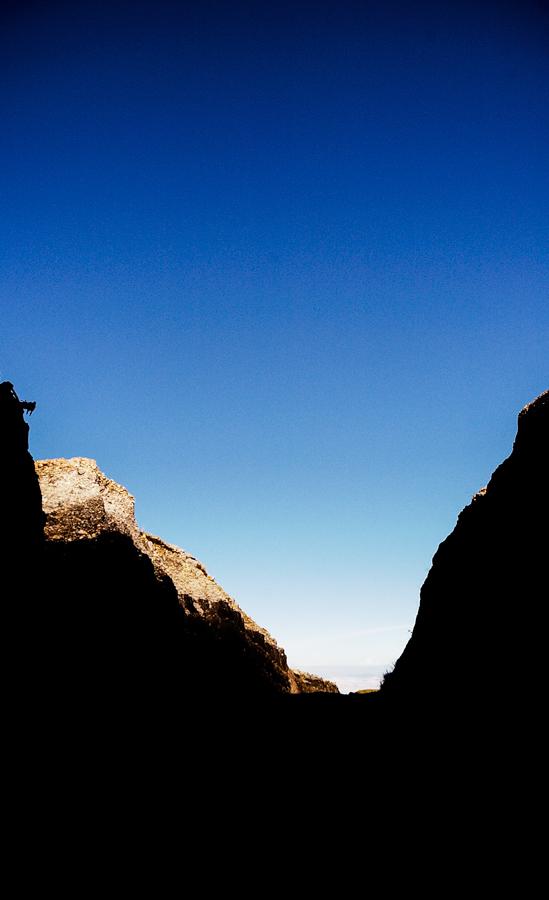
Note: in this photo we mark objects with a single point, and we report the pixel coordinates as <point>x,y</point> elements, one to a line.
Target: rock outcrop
<point>479,640</point>
<point>21,539</point>
<point>313,684</point>
<point>217,649</point>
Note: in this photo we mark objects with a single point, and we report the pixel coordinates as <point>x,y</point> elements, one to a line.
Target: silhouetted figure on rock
<point>21,517</point>
<point>11,412</point>
<point>8,397</point>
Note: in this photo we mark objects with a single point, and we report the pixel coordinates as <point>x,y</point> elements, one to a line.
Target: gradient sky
<point>282,270</point>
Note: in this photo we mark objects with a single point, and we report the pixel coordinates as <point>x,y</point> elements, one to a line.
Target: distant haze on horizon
<point>282,271</point>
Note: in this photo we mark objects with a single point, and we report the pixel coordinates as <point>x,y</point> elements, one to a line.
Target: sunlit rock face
<point>313,684</point>
<point>147,588</point>
<point>478,639</point>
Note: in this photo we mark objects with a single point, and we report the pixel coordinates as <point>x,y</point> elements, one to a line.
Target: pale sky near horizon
<point>282,271</point>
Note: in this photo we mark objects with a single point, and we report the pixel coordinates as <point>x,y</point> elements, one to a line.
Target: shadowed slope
<point>479,636</point>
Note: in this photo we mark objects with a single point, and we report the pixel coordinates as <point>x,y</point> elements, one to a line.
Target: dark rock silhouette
<point>21,518</point>
<point>470,684</point>
<point>478,641</point>
<point>21,566</point>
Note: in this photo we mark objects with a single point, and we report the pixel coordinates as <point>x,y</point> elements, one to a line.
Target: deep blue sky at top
<point>282,270</point>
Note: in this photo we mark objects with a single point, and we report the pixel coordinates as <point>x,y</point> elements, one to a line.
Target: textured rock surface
<point>83,505</point>
<point>312,684</point>
<point>478,636</point>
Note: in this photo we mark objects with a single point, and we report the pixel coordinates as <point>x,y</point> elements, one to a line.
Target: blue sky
<point>282,270</point>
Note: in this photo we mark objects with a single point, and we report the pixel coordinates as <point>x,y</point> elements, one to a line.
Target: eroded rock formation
<point>210,645</point>
<point>313,684</point>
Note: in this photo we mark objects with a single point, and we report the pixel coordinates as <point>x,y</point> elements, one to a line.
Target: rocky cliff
<point>478,639</point>
<point>106,611</point>
<point>21,539</point>
<point>92,537</point>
